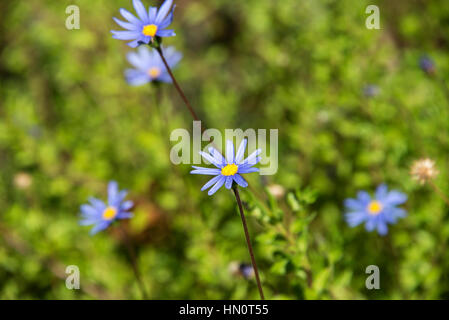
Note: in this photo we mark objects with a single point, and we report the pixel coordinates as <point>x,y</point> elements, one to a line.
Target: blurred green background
<point>69,123</point>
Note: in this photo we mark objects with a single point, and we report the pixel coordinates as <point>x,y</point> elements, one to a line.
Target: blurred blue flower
<point>149,66</point>
<point>229,168</point>
<point>101,215</point>
<point>148,25</point>
<point>427,64</point>
<point>371,91</point>
<point>241,269</point>
<point>376,213</point>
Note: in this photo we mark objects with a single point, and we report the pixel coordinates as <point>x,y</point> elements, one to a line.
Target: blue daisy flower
<point>101,215</point>
<point>376,213</point>
<point>149,66</point>
<point>228,169</point>
<point>148,25</point>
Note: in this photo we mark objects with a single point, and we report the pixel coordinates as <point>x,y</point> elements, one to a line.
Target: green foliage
<point>69,123</point>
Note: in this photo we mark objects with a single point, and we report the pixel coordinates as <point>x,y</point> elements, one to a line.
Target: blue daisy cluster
<point>148,26</point>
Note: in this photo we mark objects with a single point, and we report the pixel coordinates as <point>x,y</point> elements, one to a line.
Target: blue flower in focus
<point>100,214</point>
<point>149,66</point>
<point>228,169</point>
<point>375,212</point>
<point>427,65</point>
<point>148,25</point>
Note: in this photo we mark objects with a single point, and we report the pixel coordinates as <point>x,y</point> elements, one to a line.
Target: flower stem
<point>439,192</point>
<point>133,260</point>
<point>236,192</point>
<point>248,240</point>
<point>178,88</point>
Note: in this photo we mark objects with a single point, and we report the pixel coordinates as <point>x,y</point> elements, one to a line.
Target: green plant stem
<point>248,240</point>
<point>236,192</point>
<point>439,192</point>
<point>133,260</point>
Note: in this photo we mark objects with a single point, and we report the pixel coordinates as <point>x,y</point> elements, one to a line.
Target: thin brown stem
<point>181,93</point>
<point>439,192</point>
<point>178,88</point>
<point>248,241</point>
<point>133,260</point>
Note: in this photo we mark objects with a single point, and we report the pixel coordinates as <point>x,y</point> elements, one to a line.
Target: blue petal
<point>381,192</point>
<point>140,9</point>
<point>88,210</point>
<point>382,228</point>
<point>217,156</point>
<point>126,25</point>
<point>371,223</point>
<point>363,197</point>
<point>211,182</point>
<point>165,77</point>
<point>168,20</point>
<point>252,159</point>
<point>245,164</point>
<point>152,11</point>
<point>355,218</point>
<point>229,181</point>
<point>134,44</point>
<point>126,205</point>
<point>112,191</point>
<point>173,57</point>
<point>395,198</point>
<point>248,170</point>
<point>240,181</point>
<point>205,171</point>
<point>210,159</point>
<point>136,77</point>
<point>391,215</point>
<point>165,33</point>
<point>163,10</point>
<point>217,186</point>
<point>89,221</point>
<point>99,227</point>
<point>124,35</point>
<point>98,204</point>
<point>354,205</point>
<point>229,151</point>
<point>136,59</point>
<point>241,151</point>
<point>130,17</point>
<point>124,215</point>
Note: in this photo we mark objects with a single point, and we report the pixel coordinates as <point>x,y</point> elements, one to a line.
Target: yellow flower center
<point>154,72</point>
<point>374,207</point>
<point>149,30</point>
<point>229,170</point>
<point>109,213</point>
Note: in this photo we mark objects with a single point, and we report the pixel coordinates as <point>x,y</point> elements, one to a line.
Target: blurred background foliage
<point>69,123</point>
